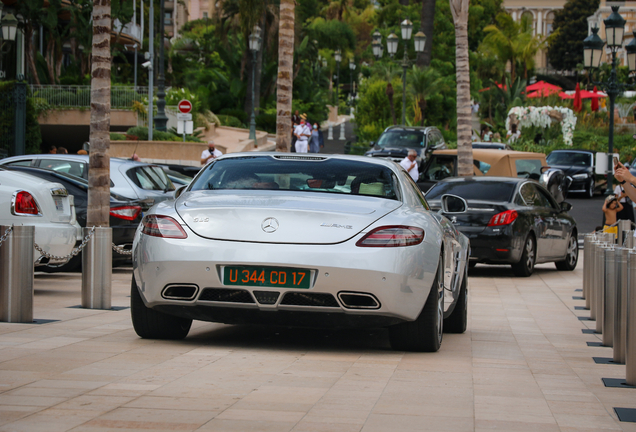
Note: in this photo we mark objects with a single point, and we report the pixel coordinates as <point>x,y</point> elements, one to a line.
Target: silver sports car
<point>303,240</point>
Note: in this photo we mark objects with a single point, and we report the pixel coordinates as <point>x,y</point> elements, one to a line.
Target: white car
<point>311,240</point>
<point>28,200</point>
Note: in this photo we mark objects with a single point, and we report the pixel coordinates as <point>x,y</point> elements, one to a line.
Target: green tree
<point>423,84</point>
<point>565,49</point>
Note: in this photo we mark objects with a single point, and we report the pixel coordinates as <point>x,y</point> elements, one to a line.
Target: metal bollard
<point>622,227</point>
<point>628,241</point>
<point>587,247</point>
<point>630,334</point>
<point>97,269</point>
<point>16,275</point>
<point>599,300</point>
<point>609,297</point>
<point>621,258</point>
<point>342,132</point>
<point>589,297</point>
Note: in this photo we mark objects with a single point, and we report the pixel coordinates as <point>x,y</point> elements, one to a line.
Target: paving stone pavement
<point>523,365</point>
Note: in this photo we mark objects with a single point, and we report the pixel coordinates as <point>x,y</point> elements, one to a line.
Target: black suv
<point>579,165</point>
<point>396,141</point>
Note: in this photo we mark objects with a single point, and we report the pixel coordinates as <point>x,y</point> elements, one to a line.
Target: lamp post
<point>9,27</point>
<point>352,68</point>
<point>592,51</point>
<point>161,120</point>
<point>255,46</point>
<point>338,57</point>
<point>392,45</point>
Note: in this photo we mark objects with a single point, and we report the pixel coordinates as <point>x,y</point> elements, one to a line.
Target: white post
<point>342,131</point>
<point>330,133</point>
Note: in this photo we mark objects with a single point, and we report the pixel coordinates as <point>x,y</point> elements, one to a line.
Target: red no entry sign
<point>185,106</point>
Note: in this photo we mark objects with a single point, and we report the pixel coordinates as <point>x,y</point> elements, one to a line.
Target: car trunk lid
<point>477,215</point>
<point>266,217</point>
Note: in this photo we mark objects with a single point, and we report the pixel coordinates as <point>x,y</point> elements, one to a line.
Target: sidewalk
<point>523,365</point>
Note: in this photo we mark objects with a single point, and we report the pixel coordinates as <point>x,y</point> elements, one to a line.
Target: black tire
<point>151,324</point>
<point>525,266</point>
<point>458,319</point>
<point>571,255</point>
<point>426,332</point>
<point>589,190</point>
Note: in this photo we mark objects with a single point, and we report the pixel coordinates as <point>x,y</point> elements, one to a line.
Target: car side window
<point>548,201</point>
<point>519,200</point>
<point>68,167</point>
<point>418,192</point>
<point>528,168</point>
<point>21,163</point>
<point>440,168</point>
<point>529,195</point>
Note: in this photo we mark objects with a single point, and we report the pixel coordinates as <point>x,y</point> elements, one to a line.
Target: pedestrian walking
<point>409,163</point>
<point>295,122</point>
<point>317,139</point>
<point>302,133</point>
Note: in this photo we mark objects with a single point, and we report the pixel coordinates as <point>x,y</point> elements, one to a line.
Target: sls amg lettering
<point>326,225</point>
<point>201,219</point>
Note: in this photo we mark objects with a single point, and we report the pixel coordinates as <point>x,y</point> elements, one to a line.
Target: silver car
<point>130,179</point>
<point>311,240</point>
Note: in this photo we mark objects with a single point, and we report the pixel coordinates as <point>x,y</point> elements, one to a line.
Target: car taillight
<point>24,204</point>
<point>125,212</point>
<point>162,226</point>
<point>392,236</point>
<point>503,218</point>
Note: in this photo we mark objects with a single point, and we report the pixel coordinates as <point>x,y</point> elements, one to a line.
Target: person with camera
<point>210,153</point>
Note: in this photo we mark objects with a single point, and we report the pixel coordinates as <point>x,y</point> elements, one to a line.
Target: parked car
<point>491,145</point>
<point>512,221</point>
<point>129,179</point>
<point>396,141</point>
<point>125,214</point>
<point>579,165</point>
<point>324,240</point>
<point>28,200</point>
<point>442,164</point>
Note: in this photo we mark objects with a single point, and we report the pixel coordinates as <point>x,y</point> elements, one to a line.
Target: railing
<point>58,96</point>
<point>142,117</point>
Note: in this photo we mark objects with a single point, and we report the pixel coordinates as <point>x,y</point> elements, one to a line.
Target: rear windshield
<point>570,159</point>
<point>402,138</point>
<point>483,190</point>
<point>335,176</point>
<point>150,178</point>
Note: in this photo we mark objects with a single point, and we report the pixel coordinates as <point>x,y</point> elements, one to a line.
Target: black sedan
<point>511,221</point>
<point>125,214</point>
<point>580,166</point>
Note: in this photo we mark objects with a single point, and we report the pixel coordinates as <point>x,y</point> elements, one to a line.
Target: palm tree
<point>423,83</point>
<point>459,8</point>
<point>99,163</point>
<point>512,41</point>
<point>285,74</point>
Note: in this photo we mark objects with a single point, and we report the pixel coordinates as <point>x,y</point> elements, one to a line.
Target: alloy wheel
<point>572,251</point>
<point>530,254</point>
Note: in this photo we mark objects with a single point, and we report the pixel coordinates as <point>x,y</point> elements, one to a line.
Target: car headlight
<point>580,176</point>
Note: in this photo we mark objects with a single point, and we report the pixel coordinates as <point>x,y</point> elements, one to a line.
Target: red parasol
<point>542,85</point>
<point>594,103</point>
<point>543,93</point>
<point>578,103</point>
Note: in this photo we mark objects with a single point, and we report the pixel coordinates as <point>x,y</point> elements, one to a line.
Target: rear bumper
<point>494,247</point>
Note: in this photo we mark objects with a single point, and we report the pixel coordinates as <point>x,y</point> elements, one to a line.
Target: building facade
<point>542,14</point>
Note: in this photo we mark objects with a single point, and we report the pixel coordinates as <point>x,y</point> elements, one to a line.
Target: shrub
<point>235,112</point>
<point>266,122</point>
<point>230,121</point>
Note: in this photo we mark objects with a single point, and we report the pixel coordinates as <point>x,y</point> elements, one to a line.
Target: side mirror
<point>179,191</point>
<point>566,206</point>
<point>453,204</point>
<point>372,143</point>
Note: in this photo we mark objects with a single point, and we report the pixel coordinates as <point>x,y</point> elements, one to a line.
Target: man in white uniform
<point>410,165</point>
<point>210,153</point>
<point>302,133</point>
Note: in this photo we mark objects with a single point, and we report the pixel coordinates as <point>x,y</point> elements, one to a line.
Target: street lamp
<point>392,45</point>
<point>592,49</point>
<point>9,27</point>
<point>352,67</point>
<point>338,57</point>
<point>161,119</point>
<point>255,46</point>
